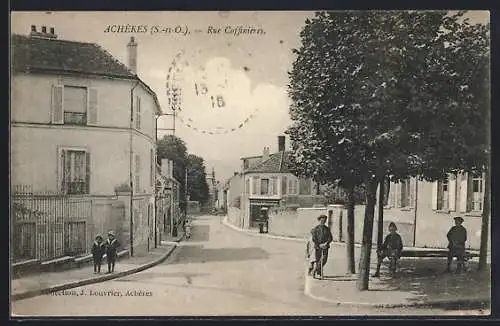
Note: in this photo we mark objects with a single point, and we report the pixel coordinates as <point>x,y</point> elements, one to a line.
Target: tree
<point>372,93</point>
<point>174,148</point>
<point>197,180</point>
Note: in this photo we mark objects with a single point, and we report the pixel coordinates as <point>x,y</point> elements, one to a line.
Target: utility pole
<point>174,104</point>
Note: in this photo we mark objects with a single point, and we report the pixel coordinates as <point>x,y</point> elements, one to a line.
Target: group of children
<point>321,237</point>
<point>108,247</point>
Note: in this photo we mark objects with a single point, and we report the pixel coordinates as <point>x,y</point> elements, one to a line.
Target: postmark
<point>208,94</point>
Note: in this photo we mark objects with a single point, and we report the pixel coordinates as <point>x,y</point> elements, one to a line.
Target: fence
<point>49,225</point>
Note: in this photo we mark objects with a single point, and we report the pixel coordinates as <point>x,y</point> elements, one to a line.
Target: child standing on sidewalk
<point>112,245</point>
<point>97,253</point>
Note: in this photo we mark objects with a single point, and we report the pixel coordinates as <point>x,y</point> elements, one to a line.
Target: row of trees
<point>173,148</point>
<point>380,96</point>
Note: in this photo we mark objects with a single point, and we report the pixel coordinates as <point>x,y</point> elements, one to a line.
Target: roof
<point>247,157</point>
<point>31,54</point>
<point>276,163</point>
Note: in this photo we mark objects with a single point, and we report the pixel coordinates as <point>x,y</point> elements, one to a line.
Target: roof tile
<point>62,55</point>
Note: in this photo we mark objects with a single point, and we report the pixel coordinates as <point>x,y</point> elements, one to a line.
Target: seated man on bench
<point>392,247</point>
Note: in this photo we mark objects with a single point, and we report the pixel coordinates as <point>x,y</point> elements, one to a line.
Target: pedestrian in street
<point>391,248</point>
<point>98,249</point>
<point>457,236</point>
<point>112,245</point>
<point>321,237</point>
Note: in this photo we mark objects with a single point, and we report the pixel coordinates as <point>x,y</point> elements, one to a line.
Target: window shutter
<point>452,191</point>
<point>391,200</point>
<point>137,173</point>
<point>87,171</point>
<point>152,161</point>
<point>413,183</point>
<point>435,195</point>
<point>61,172</point>
<point>57,104</point>
<point>92,106</point>
<point>464,198</point>
<point>138,113</point>
<point>397,188</point>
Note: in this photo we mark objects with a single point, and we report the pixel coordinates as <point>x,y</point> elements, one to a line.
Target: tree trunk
<point>351,266</point>
<point>366,244</point>
<point>380,221</point>
<point>485,220</point>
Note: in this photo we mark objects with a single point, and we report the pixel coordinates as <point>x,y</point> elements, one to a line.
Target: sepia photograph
<point>250,163</point>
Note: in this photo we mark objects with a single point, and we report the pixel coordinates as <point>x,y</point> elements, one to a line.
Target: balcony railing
<point>75,118</point>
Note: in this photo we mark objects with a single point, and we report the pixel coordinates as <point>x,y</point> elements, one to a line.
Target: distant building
<point>268,181</point>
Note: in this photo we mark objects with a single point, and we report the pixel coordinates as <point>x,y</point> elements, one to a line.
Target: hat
<point>98,236</point>
<point>393,225</point>
<point>322,217</point>
<point>111,233</point>
<point>458,218</point>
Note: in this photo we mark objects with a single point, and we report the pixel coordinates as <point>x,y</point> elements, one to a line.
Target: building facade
<point>424,210</point>
<point>268,182</point>
<point>83,124</point>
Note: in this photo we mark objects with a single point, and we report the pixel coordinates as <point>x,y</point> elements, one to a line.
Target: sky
<point>233,98</point>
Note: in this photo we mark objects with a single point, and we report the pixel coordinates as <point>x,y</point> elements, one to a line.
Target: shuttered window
<point>74,172</point>
<point>152,170</point>
<point>405,193</point>
<point>284,185</point>
<point>74,105</point>
<point>304,186</point>
<point>138,113</point>
<point>137,173</point>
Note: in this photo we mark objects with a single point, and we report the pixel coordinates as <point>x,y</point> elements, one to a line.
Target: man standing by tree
<point>321,237</point>
<point>457,236</point>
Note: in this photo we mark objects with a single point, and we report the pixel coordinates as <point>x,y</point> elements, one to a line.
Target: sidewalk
<point>419,283</point>
<point>34,285</point>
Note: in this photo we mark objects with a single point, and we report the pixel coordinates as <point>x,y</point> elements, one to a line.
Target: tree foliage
<point>197,180</point>
<point>389,93</point>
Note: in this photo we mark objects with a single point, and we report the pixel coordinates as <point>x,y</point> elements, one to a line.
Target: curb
<point>277,237</point>
<point>74,284</point>
<point>478,303</point>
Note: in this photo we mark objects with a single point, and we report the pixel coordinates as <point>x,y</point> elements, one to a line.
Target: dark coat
<point>393,241</point>
<point>457,236</point>
<point>112,247</point>
<point>321,234</point>
<point>98,249</point>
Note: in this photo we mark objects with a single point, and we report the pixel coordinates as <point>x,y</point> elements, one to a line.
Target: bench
<point>433,253</point>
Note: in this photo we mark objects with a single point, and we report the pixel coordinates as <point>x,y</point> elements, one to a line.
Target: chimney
<point>265,154</point>
<point>132,55</point>
<point>281,143</point>
<point>43,34</point>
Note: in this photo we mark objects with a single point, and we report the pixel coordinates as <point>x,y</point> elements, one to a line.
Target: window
<point>477,193</point>
<point>406,193</point>
<point>284,183</point>
<point>255,185</point>
<point>75,105</point>
<point>245,164</point>
<point>304,187</point>
<point>152,171</point>
<point>292,187</point>
<point>75,171</point>
<point>247,186</point>
<point>138,113</point>
<point>264,186</point>
<point>443,195</point>
<point>387,189</point>
<point>274,186</point>
<point>137,181</point>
